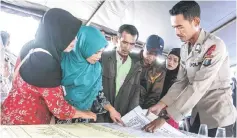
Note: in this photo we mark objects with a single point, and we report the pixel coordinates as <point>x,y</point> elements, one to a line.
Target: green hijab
<point>83,80</point>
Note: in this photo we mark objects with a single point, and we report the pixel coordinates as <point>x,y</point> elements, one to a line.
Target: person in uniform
<point>203,81</point>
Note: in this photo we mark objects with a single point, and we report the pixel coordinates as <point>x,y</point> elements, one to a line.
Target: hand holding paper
<point>137,119</point>
<point>155,109</point>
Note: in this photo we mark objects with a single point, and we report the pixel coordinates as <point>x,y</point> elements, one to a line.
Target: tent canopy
<point>150,17</point>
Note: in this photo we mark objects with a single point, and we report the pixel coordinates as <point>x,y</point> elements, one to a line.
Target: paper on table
<point>137,119</point>
<point>150,116</point>
<point>60,131</point>
<point>133,131</point>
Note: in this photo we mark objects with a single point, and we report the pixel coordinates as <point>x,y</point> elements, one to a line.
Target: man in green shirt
<point>121,74</point>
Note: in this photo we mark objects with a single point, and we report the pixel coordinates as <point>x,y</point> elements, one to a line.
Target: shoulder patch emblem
<point>208,56</point>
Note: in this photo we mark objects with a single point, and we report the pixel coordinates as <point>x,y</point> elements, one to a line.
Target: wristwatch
<point>163,114</point>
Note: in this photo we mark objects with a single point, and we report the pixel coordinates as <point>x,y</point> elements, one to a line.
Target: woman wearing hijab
<point>82,73</point>
<point>172,66</point>
<point>36,95</point>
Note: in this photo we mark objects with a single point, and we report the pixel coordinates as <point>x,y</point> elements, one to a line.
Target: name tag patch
<point>195,64</point>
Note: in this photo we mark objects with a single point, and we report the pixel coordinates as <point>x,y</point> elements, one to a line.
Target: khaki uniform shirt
<point>203,84</point>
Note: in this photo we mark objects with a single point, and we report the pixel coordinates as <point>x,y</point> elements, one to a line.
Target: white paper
<point>135,131</point>
<point>137,119</point>
<point>151,116</point>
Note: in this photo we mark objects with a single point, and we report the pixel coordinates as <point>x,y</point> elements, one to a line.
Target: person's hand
<point>116,117</point>
<point>155,109</point>
<point>85,115</point>
<point>114,114</point>
<point>155,124</point>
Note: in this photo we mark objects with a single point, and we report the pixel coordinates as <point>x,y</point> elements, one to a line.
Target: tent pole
<point>224,25</point>
<point>94,13</point>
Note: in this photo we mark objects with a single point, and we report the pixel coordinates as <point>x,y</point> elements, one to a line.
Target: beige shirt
<point>203,84</point>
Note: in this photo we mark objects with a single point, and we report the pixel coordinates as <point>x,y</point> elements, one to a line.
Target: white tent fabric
<point>150,17</point>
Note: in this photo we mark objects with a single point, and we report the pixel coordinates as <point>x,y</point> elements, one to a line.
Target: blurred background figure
<point>7,65</point>
<point>234,90</point>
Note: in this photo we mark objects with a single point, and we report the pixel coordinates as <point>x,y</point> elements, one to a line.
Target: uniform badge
<point>198,48</point>
<point>208,56</point>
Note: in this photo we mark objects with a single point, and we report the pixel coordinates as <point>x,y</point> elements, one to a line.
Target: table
<point>74,131</point>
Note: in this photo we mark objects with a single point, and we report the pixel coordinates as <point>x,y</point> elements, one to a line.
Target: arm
<point>56,103</point>
<point>59,107</point>
<point>203,79</point>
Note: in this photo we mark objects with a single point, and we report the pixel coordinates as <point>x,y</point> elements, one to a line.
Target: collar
<point>120,57</point>
<point>201,37</point>
<point>198,44</point>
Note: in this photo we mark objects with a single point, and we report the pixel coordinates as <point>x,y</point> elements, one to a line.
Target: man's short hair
<point>5,37</point>
<point>131,29</point>
<point>189,9</point>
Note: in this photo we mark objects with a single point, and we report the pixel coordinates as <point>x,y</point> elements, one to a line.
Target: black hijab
<point>56,30</point>
<point>171,75</point>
